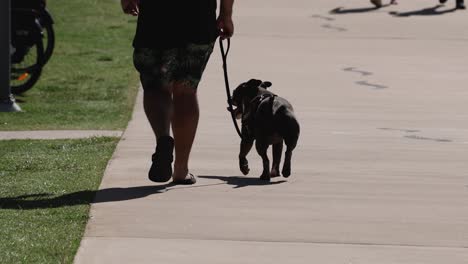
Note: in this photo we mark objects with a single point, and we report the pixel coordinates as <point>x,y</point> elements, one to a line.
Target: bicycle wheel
<point>21,82</point>
<point>25,73</point>
<point>48,41</point>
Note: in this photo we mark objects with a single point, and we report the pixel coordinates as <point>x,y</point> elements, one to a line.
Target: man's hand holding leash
<point>130,7</point>
<point>224,22</point>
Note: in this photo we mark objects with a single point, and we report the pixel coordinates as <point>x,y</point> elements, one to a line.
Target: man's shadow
<point>239,182</point>
<point>341,11</point>
<point>47,200</point>
<point>430,11</point>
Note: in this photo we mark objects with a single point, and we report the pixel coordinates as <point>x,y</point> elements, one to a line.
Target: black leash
<point>226,82</point>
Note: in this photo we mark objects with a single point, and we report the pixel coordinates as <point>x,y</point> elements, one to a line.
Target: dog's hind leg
<point>291,143</point>
<point>277,152</point>
<point>262,148</point>
<point>287,163</point>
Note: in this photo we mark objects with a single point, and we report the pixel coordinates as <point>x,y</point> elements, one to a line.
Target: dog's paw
<point>244,166</point>
<point>245,169</point>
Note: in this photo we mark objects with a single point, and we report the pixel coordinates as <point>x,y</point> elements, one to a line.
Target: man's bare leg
<point>158,108</point>
<point>184,126</point>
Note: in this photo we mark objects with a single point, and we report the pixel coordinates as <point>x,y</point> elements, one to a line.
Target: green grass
<point>90,82</point>
<point>45,191</point>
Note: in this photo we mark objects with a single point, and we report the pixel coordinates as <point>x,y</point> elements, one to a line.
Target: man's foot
<point>442,1</point>
<point>161,169</point>
<point>461,5</point>
<point>188,180</point>
<point>377,3</point>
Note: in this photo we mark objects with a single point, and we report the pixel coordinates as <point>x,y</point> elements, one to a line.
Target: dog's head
<point>246,92</point>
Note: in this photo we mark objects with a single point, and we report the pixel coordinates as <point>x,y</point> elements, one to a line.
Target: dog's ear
<point>254,83</point>
<point>265,85</point>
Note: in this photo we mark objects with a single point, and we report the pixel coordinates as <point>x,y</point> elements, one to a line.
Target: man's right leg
<point>157,102</point>
<point>158,108</point>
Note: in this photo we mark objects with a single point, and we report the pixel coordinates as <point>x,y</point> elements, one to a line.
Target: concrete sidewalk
<point>380,174</point>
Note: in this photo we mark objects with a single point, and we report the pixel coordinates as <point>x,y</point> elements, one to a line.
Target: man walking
<point>173,42</point>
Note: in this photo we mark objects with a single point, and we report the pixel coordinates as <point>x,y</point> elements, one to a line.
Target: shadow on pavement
<point>430,11</point>
<point>45,200</point>
<point>240,182</point>
<point>340,10</point>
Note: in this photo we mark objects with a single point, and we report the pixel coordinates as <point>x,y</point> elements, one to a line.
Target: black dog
<point>267,119</point>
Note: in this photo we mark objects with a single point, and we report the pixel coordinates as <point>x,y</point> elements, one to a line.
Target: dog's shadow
<point>239,182</point>
<point>429,11</point>
<point>341,11</point>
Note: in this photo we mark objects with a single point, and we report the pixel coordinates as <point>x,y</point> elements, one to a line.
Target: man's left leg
<point>184,126</point>
<point>192,62</point>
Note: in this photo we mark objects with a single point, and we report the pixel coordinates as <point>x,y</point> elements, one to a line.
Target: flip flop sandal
<point>189,180</point>
<point>161,169</point>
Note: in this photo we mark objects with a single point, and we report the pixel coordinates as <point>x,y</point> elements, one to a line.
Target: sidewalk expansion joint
<point>338,243</point>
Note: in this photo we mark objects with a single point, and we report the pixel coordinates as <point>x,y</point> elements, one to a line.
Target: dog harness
<point>248,117</point>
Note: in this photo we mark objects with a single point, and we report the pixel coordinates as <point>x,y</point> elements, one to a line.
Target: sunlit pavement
<point>380,172</point>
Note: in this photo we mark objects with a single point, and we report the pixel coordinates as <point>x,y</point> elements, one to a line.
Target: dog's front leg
<point>245,147</point>
<point>262,148</point>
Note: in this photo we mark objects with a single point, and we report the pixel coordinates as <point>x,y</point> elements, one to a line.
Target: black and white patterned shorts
<point>163,67</point>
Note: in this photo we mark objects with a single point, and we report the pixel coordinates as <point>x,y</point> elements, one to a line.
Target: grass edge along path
<point>45,195</point>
